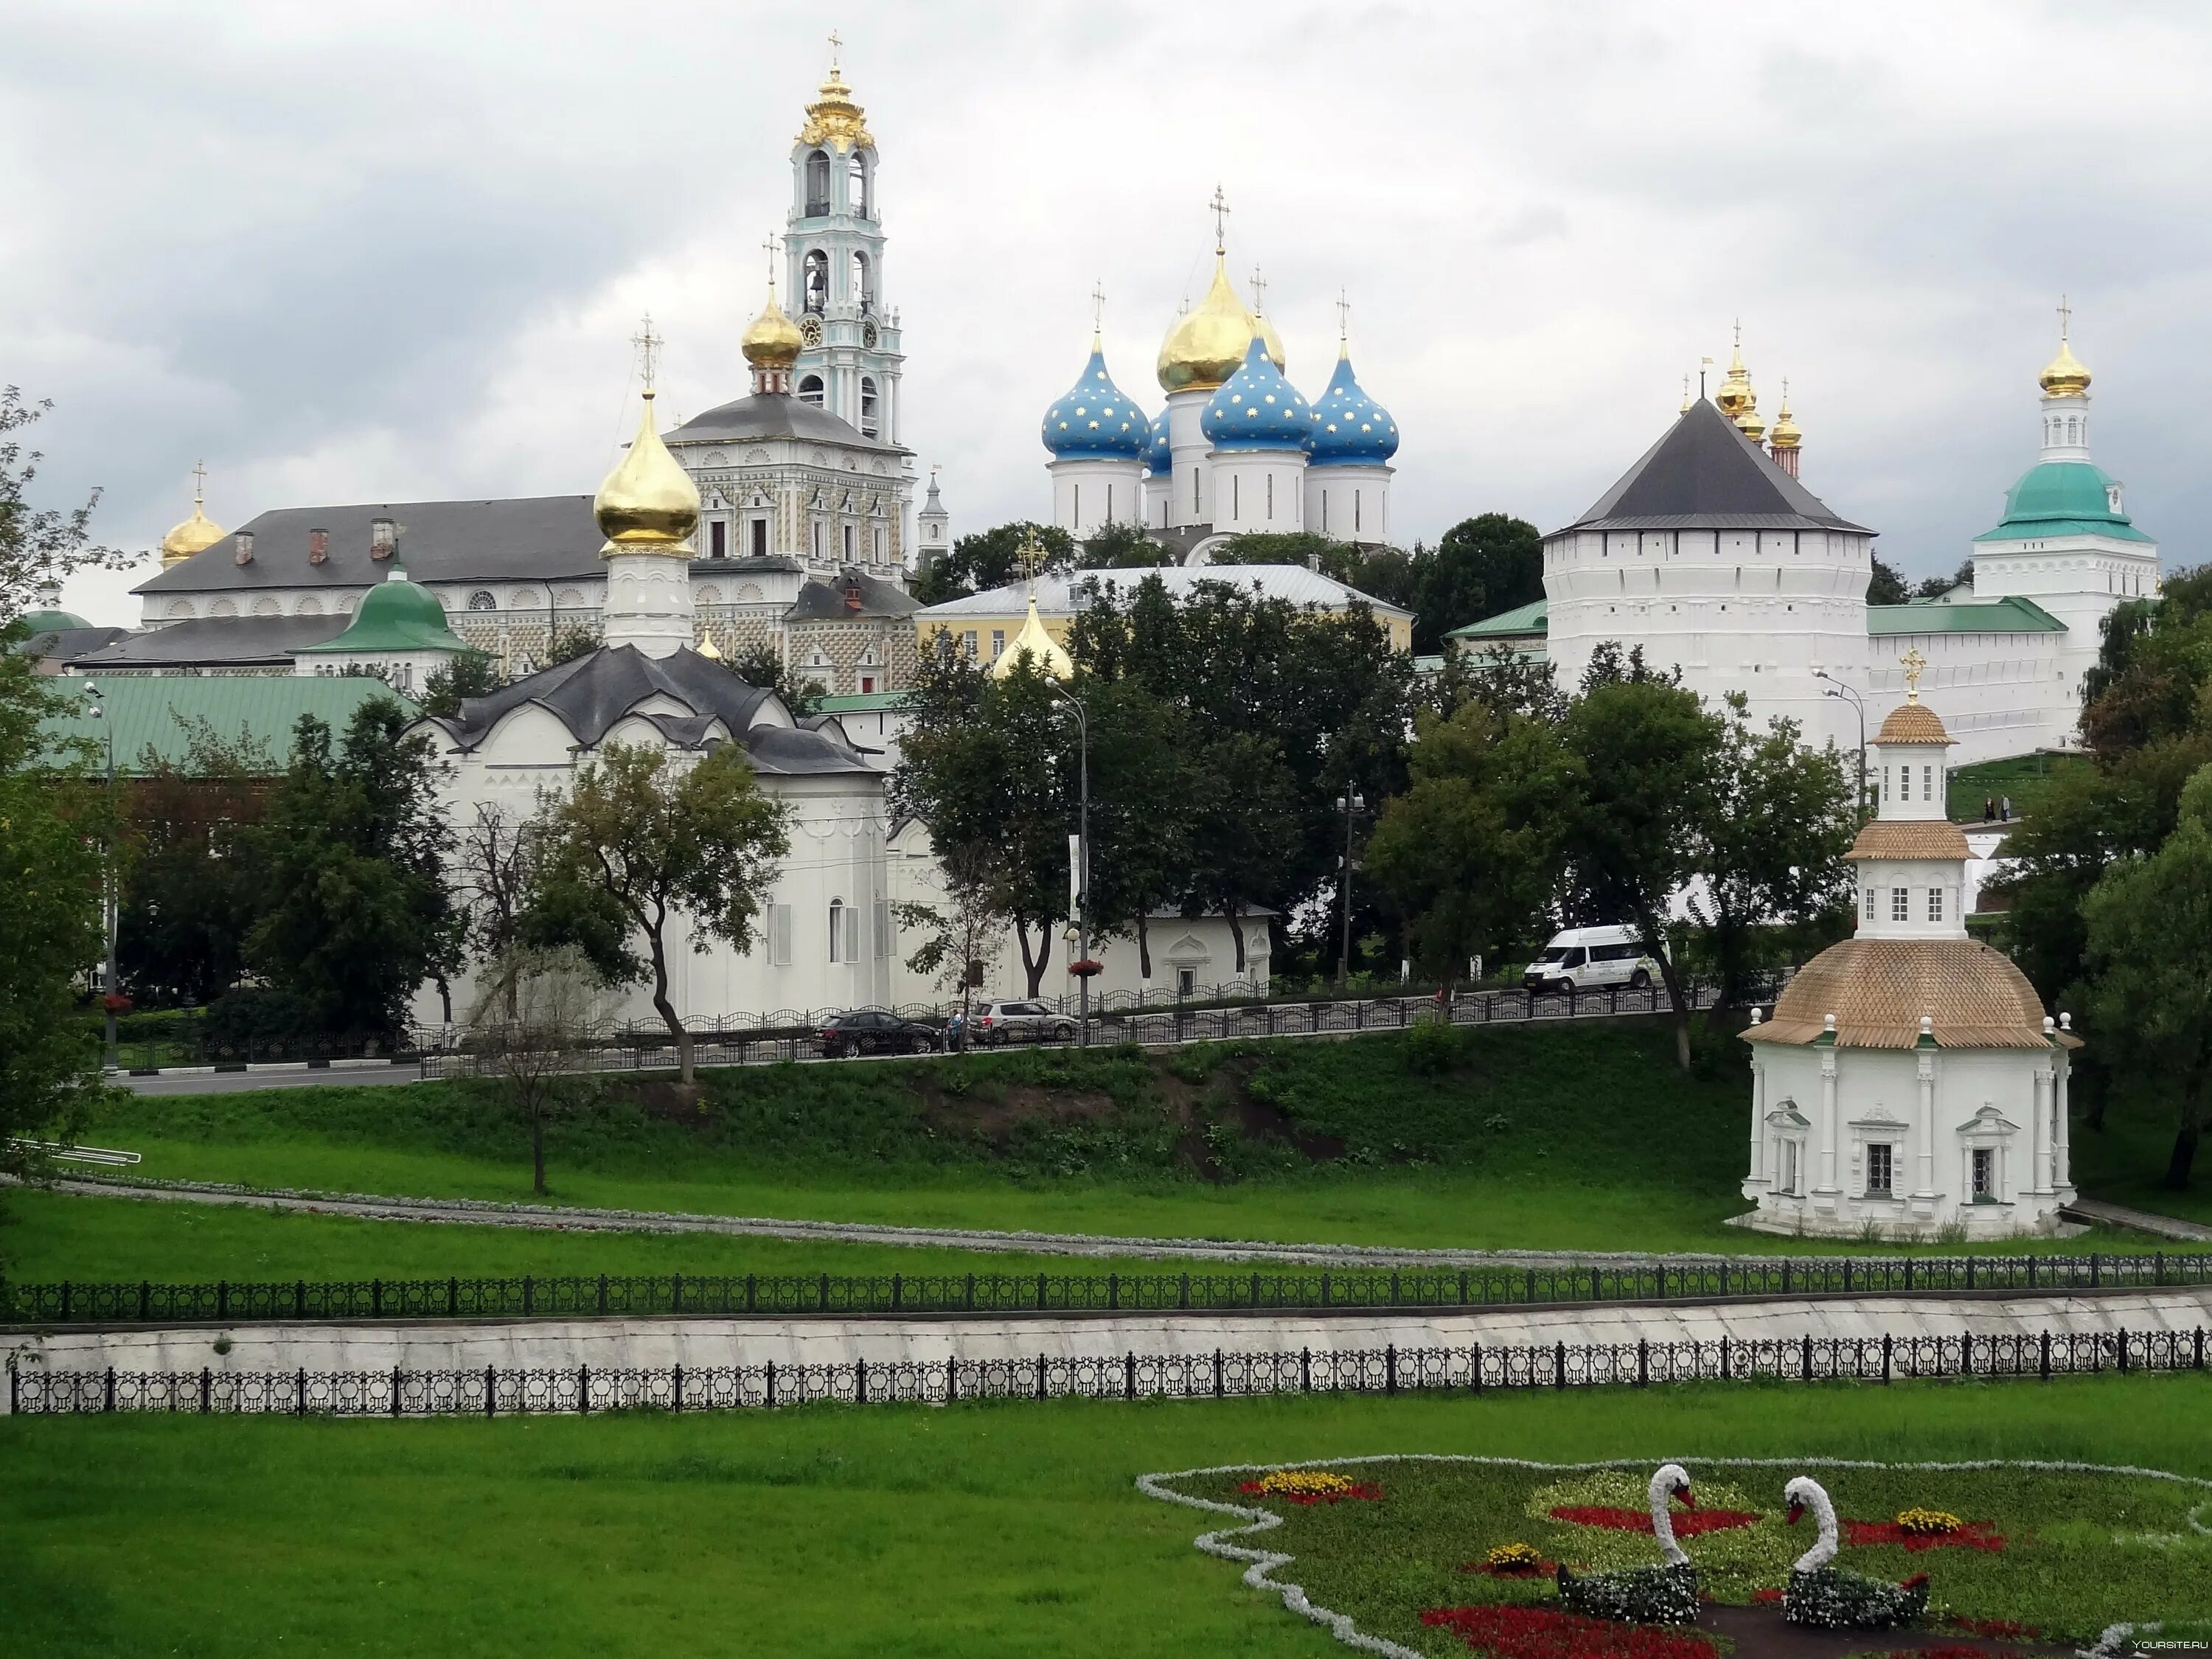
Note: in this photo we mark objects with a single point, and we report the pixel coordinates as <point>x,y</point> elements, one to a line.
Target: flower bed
<point>2082,1549</point>
<point>1309,1487</point>
<point>1524,1633</point>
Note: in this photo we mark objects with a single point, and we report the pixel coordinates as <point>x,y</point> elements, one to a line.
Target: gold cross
<point>769,245</point>
<point>199,482</point>
<point>836,46</point>
<point>2065,317</point>
<point>1343,316</point>
<point>648,345</point>
<point>1031,557</point>
<point>1259,292</point>
<point>1915,666</point>
<point>1098,311</point>
<point>1221,221</point>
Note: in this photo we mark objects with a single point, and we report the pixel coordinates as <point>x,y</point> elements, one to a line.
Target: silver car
<point>1022,1021</point>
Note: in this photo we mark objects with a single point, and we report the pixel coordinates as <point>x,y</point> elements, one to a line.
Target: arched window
<point>869,419</point>
<point>818,281</point>
<point>809,390</point>
<point>863,296</point>
<point>856,186</point>
<point>481,600</point>
<point>817,184</point>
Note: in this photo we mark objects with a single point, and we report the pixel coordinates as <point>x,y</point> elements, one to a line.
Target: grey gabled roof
<point>1703,474</point>
<point>217,641</point>
<point>523,538</point>
<point>773,415</point>
<point>592,693</point>
<point>821,601</point>
<point>67,644</point>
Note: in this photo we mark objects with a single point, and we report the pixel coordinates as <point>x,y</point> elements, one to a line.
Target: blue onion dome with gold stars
<point>1257,409</point>
<point>1350,428</point>
<point>1159,459</point>
<point>1095,421</point>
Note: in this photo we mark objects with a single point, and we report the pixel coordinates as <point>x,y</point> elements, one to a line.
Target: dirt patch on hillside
<point>661,1098</point>
<point>994,1116</point>
<point>1226,1098</point>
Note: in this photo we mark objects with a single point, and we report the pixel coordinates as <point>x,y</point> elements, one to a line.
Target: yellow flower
<point>1923,1523</point>
<point>1303,1483</point>
<point>1514,1555</point>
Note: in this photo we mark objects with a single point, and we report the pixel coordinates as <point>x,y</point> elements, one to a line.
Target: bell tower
<point>834,244</point>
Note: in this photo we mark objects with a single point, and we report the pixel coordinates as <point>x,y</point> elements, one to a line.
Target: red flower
<point>1688,1525</point>
<point>1766,1595</point>
<point>1974,1535</point>
<point>1528,1632</point>
<point>2011,1628</point>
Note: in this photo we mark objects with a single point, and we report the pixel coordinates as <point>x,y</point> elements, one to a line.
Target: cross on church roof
<point>199,482</point>
<point>1343,316</point>
<point>2065,317</point>
<point>1221,221</point>
<point>1915,666</point>
<point>1098,311</point>
<point>1259,292</point>
<point>648,346</point>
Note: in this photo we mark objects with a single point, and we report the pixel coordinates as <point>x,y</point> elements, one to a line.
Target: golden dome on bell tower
<point>1734,395</point>
<point>833,118</point>
<point>194,535</point>
<point>648,504</point>
<point>2064,375</point>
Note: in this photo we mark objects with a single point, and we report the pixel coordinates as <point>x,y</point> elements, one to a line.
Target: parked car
<point>1022,1021</point>
<point>1592,958</point>
<point>871,1031</point>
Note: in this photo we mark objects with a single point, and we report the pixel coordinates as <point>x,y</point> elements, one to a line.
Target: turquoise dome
<point>1159,459</point>
<point>2062,498</point>
<point>53,622</point>
<point>1094,420</point>
<point>1257,409</point>
<point>1350,428</point>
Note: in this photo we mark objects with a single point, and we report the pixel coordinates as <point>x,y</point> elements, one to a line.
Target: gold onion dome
<point>195,535</point>
<point>1785,434</point>
<point>1033,642</point>
<point>1207,344</point>
<point>1751,423</point>
<point>1734,395</point>
<point>2064,375</point>
<point>772,341</point>
<point>648,504</point>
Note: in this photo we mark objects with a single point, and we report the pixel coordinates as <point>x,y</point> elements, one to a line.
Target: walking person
<point>1989,811</point>
<point>2004,809</point>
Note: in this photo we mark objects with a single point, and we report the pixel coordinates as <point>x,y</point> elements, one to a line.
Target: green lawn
<point>2023,777</point>
<point>976,1531</point>
<point>1559,1137</point>
<point>2125,1163</point>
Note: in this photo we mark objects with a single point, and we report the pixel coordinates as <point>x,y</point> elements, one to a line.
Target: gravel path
<point>2163,1226</point>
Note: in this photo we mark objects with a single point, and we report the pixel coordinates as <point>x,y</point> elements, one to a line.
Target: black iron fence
<point>736,1295</point>
<point>492,1392</point>
<point>734,1041</point>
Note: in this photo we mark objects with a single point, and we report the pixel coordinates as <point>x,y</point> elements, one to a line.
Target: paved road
<point>2161,1226</point>
<point>231,1083</point>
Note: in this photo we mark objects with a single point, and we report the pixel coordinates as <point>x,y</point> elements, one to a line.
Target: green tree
<point>570,643</point>
<point>535,1012</point>
<point>1934,587</point>
<point>1124,547</point>
<point>1471,852</point>
<point>39,547</point>
<point>1647,751</point>
<point>992,558</point>
<point>964,931</point>
<point>348,858</point>
<point>1144,779</point>
<point>2149,941</point>
<point>1886,587</point>
<point>1484,566</point>
<point>644,853</point>
<point>1776,822</point>
<point>763,665</point>
<point>471,674</point>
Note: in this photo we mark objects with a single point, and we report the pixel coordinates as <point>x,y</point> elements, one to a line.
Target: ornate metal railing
<point>491,1392</point>
<point>80,1301</point>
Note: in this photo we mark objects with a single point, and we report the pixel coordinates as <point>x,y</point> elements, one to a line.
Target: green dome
<point>2062,498</point>
<point>53,622</point>
<point>397,615</point>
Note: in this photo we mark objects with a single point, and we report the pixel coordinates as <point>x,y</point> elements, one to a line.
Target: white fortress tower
<point>834,242</point>
<point>1718,561</point>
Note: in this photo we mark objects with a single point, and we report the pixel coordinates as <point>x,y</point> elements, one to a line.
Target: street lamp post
<point>109,898</point>
<point>1082,861</point>
<point>1350,804</point>
<point>1837,688</point>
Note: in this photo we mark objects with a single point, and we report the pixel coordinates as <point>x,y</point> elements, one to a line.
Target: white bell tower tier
<point>1910,1080</point>
<point>647,509</point>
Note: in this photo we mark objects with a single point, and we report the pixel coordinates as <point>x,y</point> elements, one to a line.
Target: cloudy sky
<point>354,251</point>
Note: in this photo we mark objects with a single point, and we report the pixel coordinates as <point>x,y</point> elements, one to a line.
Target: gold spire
<point>2064,375</point>
<point>1914,665</point>
<point>195,534</point>
<point>1047,653</point>
<point>1687,398</point>
<point>773,339</point>
<point>1785,434</point>
<point>648,504</point>
<point>706,647</point>
<point>833,118</point>
<point>1208,341</point>
<point>1734,395</point>
<point>1750,422</point>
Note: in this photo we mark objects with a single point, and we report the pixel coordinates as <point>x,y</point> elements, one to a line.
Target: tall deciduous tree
<point>39,546</point>
<point>647,855</point>
<point>189,893</point>
<point>534,1011</point>
<point>1647,751</point>
<point>2149,928</point>
<point>1470,853</point>
<point>1483,566</point>
<point>471,674</point>
<point>964,932</point>
<point>1776,822</point>
<point>763,665</point>
<point>349,859</point>
<point>992,558</point>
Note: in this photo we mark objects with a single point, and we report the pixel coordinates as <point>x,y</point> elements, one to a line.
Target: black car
<point>871,1032</point>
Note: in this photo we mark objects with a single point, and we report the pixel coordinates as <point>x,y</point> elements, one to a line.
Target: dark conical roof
<point>1703,474</point>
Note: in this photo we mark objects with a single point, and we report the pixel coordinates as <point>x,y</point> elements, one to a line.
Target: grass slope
<point>1558,1137</point>
<point>977,1531</point>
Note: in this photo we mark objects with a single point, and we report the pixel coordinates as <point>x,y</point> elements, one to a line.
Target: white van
<point>1592,958</point>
